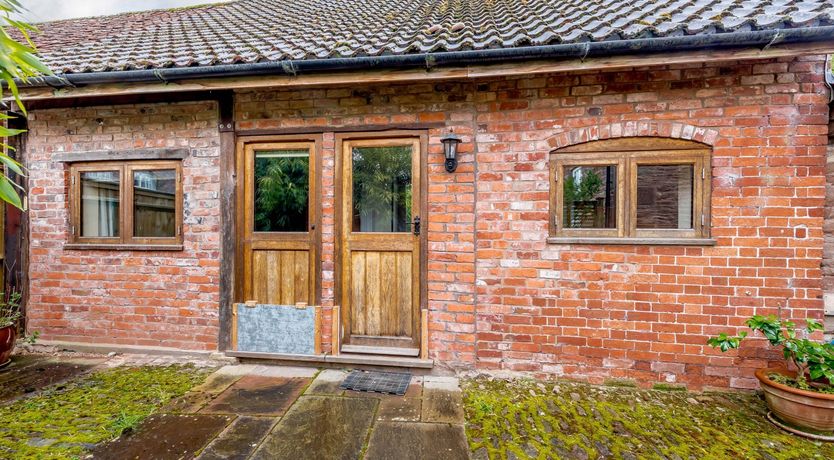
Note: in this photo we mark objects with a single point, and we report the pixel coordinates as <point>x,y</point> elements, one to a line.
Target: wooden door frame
<point>240,205</point>
<point>341,138</point>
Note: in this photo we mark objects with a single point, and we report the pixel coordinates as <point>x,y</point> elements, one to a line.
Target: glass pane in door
<point>382,189</point>
<point>282,185</point>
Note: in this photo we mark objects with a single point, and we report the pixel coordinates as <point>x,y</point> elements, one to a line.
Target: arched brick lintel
<point>634,129</point>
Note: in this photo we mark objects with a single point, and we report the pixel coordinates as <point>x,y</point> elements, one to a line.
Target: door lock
<point>415,226</point>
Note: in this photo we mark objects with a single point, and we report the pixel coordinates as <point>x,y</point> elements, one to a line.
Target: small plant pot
<point>805,409</point>
<point>8,335</point>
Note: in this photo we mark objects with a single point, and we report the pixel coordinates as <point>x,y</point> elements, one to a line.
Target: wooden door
<point>279,222</point>
<point>380,245</point>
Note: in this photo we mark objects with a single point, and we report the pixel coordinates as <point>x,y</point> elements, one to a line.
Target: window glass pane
<point>154,203</point>
<point>664,196</point>
<point>282,180</point>
<point>382,189</point>
<point>590,197</point>
<point>100,204</point>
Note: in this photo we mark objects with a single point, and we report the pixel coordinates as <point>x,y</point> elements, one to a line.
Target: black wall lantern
<point>450,149</point>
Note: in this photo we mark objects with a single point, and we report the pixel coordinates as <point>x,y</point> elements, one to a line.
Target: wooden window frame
<point>126,238</point>
<point>628,154</point>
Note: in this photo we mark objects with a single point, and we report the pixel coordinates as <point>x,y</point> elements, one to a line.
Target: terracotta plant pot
<point>8,335</point>
<point>806,409</point>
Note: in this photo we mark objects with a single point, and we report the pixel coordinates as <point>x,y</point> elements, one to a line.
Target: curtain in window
<point>100,205</point>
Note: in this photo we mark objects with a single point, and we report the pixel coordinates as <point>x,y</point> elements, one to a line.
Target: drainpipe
<point>829,77</point>
<point>761,38</point>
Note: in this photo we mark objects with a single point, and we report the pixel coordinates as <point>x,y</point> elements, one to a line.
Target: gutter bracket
<point>158,74</point>
<point>289,68</point>
<point>431,61</point>
<point>776,39</point>
<point>586,48</point>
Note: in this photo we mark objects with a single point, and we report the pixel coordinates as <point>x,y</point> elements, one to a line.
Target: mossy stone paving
<point>258,395</point>
<point>539,420</point>
<point>239,440</point>
<point>66,421</point>
<point>29,373</point>
<point>326,427</point>
<point>417,441</point>
<point>165,436</point>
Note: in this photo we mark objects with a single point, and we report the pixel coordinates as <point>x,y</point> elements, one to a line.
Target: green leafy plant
<point>10,309</point>
<point>18,63</point>
<point>32,338</point>
<point>585,188</point>
<point>281,193</point>
<point>814,361</point>
<point>382,183</point>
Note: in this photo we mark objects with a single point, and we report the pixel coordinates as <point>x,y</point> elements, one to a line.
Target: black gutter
<point>762,38</point>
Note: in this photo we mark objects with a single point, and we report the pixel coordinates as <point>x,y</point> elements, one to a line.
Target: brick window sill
<point>123,247</point>
<point>632,241</point>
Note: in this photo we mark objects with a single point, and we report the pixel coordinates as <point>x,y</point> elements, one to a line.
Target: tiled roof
<point>249,31</point>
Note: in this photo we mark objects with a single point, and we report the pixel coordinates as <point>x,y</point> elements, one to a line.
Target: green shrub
<point>814,361</point>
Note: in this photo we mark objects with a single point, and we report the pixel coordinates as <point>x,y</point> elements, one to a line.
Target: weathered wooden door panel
<point>382,283</point>
<point>281,277</point>
<point>279,226</point>
<point>380,245</point>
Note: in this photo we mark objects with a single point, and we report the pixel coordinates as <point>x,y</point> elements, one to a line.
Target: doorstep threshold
<point>343,358</point>
<point>381,351</point>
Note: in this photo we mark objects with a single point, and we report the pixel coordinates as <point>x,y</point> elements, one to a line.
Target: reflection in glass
<point>382,189</point>
<point>154,203</point>
<point>282,190</point>
<point>664,196</point>
<point>100,204</point>
<point>590,197</point>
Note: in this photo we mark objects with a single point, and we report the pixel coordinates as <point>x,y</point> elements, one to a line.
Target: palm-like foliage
<point>281,194</point>
<point>382,183</point>
<point>18,63</point>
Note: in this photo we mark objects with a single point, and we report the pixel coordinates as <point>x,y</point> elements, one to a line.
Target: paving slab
<point>418,441</point>
<point>285,371</point>
<point>29,373</point>
<point>188,403</point>
<point>327,383</point>
<point>202,394</point>
<point>399,409</point>
<point>442,406</point>
<point>320,427</point>
<point>216,383</point>
<point>432,382</point>
<point>236,369</point>
<point>165,437</point>
<point>257,395</point>
<point>239,440</point>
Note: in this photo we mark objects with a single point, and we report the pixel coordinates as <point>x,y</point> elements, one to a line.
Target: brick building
<point>626,184</point>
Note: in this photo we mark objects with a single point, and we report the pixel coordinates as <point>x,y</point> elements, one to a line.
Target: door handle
<point>415,226</point>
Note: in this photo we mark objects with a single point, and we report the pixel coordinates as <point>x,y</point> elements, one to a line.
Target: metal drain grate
<point>393,383</point>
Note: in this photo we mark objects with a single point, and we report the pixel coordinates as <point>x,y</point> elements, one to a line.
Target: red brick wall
<point>502,298</point>
<point>645,312</point>
<point>167,299</point>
